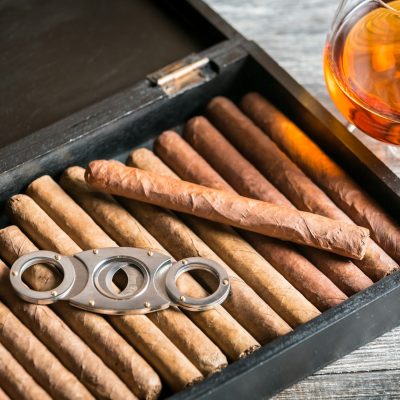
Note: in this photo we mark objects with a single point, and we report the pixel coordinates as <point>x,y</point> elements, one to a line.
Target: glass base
<point>389,154</point>
<point>394,150</point>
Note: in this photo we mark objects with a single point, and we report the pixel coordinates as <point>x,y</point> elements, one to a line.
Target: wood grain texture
<point>294,32</point>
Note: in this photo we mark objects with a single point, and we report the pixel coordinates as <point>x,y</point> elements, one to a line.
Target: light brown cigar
<point>199,349</point>
<point>268,324</point>
<point>164,358</point>
<point>255,270</point>
<point>311,282</point>
<point>243,303</point>
<point>159,350</point>
<point>270,160</point>
<point>333,180</point>
<point>225,331</point>
<point>16,381</point>
<point>219,206</point>
<point>247,307</point>
<point>341,271</point>
<point>37,359</point>
<point>92,328</point>
<point>50,329</point>
<point>216,323</point>
<point>77,224</point>
<point>129,232</point>
<point>12,243</point>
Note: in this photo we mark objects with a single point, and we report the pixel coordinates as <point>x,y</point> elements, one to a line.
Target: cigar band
<point>148,280</point>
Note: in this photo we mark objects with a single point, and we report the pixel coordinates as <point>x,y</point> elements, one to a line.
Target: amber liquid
<point>362,70</point>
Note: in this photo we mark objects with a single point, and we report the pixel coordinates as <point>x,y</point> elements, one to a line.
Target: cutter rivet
<point>150,253</point>
<point>54,293</point>
<point>225,281</point>
<point>182,298</point>
<point>95,251</point>
<point>91,303</point>
<point>184,262</point>
<point>14,273</point>
<point>147,304</point>
<point>57,257</point>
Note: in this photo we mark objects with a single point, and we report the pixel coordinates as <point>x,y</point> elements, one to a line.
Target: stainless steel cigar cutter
<point>150,280</point>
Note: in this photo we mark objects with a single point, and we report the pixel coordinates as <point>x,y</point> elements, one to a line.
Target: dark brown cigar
<point>335,182</point>
<point>257,272</point>
<point>342,272</point>
<point>242,303</point>
<point>314,285</point>
<point>271,161</point>
<point>219,206</point>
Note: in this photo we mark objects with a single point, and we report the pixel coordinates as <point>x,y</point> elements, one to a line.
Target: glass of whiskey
<point>362,66</point>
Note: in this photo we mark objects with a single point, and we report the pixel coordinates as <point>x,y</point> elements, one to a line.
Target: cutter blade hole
<point>206,278</point>
<point>42,277</point>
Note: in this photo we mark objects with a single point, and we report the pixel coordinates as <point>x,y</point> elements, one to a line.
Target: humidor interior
<point>61,57</point>
<point>134,116</point>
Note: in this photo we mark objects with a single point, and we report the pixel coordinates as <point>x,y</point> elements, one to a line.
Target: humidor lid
<point>58,57</point>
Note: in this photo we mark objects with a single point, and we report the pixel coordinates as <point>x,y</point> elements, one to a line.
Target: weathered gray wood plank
<point>370,385</point>
<point>294,33</point>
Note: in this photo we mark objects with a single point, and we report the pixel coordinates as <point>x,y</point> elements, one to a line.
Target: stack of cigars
<point>249,190</point>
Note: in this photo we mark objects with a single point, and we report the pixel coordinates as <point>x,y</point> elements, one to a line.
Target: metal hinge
<point>182,75</point>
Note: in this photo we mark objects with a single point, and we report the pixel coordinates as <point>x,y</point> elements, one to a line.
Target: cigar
<point>16,381</point>
<point>260,320</point>
<point>344,274</point>
<point>303,193</point>
<point>334,181</point>
<point>194,169</point>
<point>77,224</point>
<point>38,277</point>
<point>174,324</point>
<point>41,364</point>
<point>219,206</point>
<point>304,276</point>
<point>217,324</point>
<point>92,328</point>
<point>137,329</point>
<point>241,304</point>
<point>255,270</point>
<point>51,330</point>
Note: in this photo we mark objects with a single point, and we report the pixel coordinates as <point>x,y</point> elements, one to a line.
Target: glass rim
<point>388,7</point>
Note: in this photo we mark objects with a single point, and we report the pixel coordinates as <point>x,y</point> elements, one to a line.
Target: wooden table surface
<point>294,32</point>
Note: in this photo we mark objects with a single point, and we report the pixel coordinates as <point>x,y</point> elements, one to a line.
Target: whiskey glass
<point>362,66</point>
